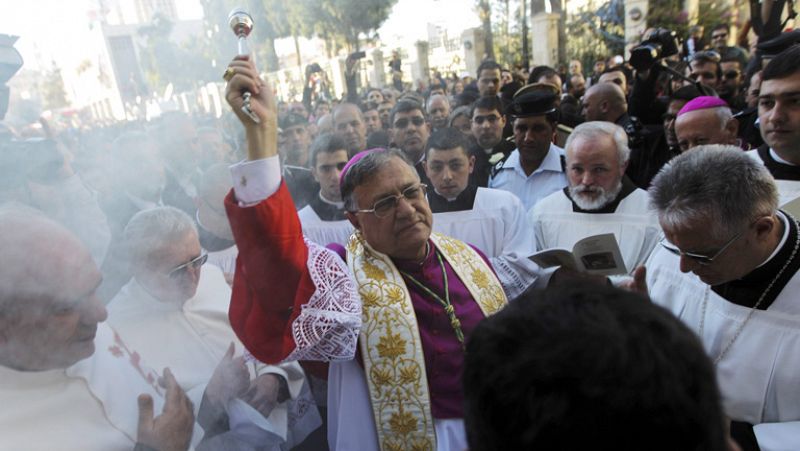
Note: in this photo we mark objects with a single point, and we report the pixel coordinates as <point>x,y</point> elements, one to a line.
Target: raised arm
<point>273,285</point>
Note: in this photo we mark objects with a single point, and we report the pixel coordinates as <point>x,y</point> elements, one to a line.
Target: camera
<point>660,44</point>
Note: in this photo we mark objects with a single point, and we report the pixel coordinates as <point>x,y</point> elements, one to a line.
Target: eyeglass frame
<point>395,199</point>
<point>702,260</point>
<point>196,262</point>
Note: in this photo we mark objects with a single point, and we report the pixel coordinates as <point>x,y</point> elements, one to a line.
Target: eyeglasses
<point>703,260</point>
<point>731,74</point>
<point>492,119</point>
<point>385,206</point>
<point>403,123</point>
<point>194,263</point>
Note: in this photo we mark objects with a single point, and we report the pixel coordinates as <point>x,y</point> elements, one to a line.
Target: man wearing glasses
<point>728,267</point>
<point>410,131</point>
<point>407,298</point>
<point>175,318</point>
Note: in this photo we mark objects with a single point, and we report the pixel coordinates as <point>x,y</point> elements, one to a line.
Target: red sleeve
<point>272,279</point>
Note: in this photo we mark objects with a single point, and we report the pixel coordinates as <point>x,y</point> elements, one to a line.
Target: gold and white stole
<point>391,348</point>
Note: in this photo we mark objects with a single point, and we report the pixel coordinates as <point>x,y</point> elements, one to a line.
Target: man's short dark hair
<point>541,71</point>
<point>589,368</point>
<point>369,106</point>
<point>721,26</point>
<point>447,138</point>
<point>406,105</point>
<point>488,103</point>
<point>784,65</point>
<point>489,65</point>
<point>325,143</point>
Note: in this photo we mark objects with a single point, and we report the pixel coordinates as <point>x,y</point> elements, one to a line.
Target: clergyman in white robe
<point>191,339</point>
<point>759,375</point>
<point>559,223</point>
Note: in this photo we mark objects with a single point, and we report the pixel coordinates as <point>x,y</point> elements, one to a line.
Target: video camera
<point>660,44</point>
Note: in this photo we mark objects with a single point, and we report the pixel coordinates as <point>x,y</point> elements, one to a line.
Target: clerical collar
<point>627,188</point>
<point>339,205</point>
<point>327,210</point>
<point>778,167</point>
<point>413,266</point>
<point>778,158</point>
<point>748,289</point>
<point>464,201</point>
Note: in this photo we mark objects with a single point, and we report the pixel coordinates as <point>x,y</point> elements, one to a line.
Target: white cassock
<point>192,338</point>
<point>323,232</point>
<point>633,224</point>
<point>759,376</point>
<point>89,406</point>
<point>497,226</point>
<point>788,190</point>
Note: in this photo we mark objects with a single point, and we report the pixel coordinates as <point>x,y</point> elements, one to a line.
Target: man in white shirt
<point>536,168</point>
<point>66,380</point>
<point>728,268</point>
<point>599,199</point>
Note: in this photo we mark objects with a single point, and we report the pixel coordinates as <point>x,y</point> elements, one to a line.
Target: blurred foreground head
<point>48,307</point>
<point>597,368</point>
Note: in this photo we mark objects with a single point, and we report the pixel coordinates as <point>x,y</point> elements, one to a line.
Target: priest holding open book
<point>599,200</point>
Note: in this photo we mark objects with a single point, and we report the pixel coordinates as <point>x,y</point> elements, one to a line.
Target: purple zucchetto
<point>356,158</point>
<point>702,103</point>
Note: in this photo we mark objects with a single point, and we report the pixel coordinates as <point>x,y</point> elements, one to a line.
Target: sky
<point>60,26</point>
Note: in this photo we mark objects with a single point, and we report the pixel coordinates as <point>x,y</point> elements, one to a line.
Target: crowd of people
<point>356,274</point>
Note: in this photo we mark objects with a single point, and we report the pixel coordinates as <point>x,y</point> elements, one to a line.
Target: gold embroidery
<point>402,423</point>
<point>390,344</point>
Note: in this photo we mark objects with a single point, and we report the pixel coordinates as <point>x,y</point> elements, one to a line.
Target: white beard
<point>600,199</point>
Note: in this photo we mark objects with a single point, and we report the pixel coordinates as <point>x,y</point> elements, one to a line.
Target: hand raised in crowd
<point>172,430</point>
<point>230,379</point>
<point>262,137</point>
<point>263,393</point>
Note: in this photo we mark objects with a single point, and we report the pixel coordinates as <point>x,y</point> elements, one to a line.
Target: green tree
<point>54,96</point>
<point>597,33</point>
<point>346,20</point>
<point>485,15</point>
<point>165,62</point>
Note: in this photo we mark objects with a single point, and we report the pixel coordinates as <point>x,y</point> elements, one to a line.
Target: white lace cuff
<point>329,323</point>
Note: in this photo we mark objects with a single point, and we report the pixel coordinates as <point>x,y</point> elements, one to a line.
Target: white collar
<point>339,205</point>
<point>777,158</point>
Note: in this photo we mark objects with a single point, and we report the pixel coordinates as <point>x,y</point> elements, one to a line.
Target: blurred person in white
<point>599,199</point>
<point>67,381</point>
<point>213,228</point>
<point>728,267</point>
<point>38,173</point>
<point>178,318</point>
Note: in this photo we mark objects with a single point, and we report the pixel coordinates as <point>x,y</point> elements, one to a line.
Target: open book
<point>597,254</point>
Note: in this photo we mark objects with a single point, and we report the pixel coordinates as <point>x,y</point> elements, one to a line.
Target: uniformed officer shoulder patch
<point>499,166</point>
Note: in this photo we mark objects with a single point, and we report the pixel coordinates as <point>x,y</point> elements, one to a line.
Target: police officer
<point>535,168</point>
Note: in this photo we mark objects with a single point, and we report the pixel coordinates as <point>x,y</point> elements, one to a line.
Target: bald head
<point>604,102</point>
<point>348,122</point>
<point>48,308</point>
